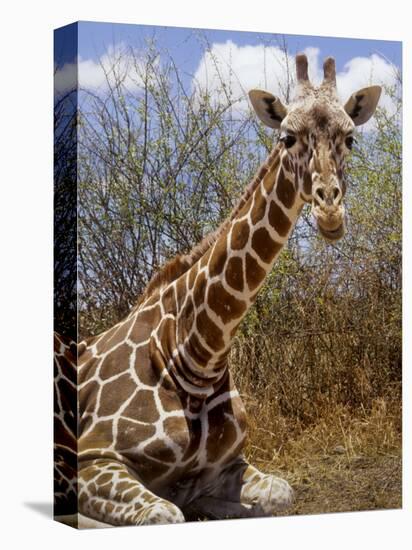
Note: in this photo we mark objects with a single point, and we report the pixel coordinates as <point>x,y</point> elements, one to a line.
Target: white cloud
<point>242,68</point>
<point>364,71</point>
<point>118,63</point>
<point>65,78</point>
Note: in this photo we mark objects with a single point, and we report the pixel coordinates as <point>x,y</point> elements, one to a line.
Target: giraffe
<point>161,425</point>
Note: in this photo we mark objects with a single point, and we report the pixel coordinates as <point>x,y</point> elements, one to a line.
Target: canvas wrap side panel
<point>65,269</point>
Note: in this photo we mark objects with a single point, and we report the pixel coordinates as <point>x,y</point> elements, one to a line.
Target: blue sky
<point>185,47</point>
<point>359,62</point>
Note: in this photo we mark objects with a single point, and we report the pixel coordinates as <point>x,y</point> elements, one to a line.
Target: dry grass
<point>320,375</point>
<point>348,460</point>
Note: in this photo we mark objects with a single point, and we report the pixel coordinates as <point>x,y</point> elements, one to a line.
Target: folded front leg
<point>258,490</point>
<point>242,491</point>
<point>110,493</point>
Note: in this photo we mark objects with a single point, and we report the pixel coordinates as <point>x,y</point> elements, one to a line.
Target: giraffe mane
<point>177,266</point>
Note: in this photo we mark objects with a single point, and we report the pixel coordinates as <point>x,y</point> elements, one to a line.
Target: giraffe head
<point>316,132</point>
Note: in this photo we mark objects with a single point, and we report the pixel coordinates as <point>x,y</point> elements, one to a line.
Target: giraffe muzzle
<point>331,225</point>
<point>328,211</point>
<point>332,234</point>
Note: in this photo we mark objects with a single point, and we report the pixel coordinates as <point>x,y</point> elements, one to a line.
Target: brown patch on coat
<point>218,257</point>
<point>239,412</point>
<point>205,258</point>
<point>130,433</point>
<point>270,178</point>
<point>104,478</point>
<point>264,245</point>
<point>86,369</point>
<point>181,291</point>
<point>259,207</point>
<point>146,367</point>
<point>145,322</point>
<point>169,396</point>
<point>186,320</point>
<point>221,361</point>
<point>240,235</point>
<point>150,470</point>
<point>195,431</point>
<point>192,275</point>
<point>198,352</point>
<point>85,422</point>
<point>285,190</point>
<point>109,506</point>
<point>262,173</point>
<point>130,494</point>
<point>160,451</point>
<point>98,438</point>
<point>286,164</point>
<point>222,434</point>
<point>199,289</point>
<point>89,473</point>
<point>114,393</point>
<point>278,219</point>
<point>254,273</point>
<point>167,335</point>
<point>211,333</point>
<point>142,407</point>
<point>115,362</point>
<point>234,273</point>
<point>88,397</point>
<point>226,306</point>
<point>84,353</point>
<point>176,429</point>
<point>169,300</point>
<point>115,336</point>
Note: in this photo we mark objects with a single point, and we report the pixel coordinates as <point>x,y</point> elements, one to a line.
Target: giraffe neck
<point>215,294</point>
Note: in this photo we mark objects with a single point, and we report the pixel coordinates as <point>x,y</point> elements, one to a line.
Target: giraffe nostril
<point>319,196</point>
<point>336,193</point>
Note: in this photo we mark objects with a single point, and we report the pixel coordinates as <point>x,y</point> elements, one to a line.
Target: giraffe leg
<point>109,493</point>
<point>258,490</point>
<point>243,491</point>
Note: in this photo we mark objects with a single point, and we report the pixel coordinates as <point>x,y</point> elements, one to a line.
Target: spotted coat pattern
<point>161,425</point>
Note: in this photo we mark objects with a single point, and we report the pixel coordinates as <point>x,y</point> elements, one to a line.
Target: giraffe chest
<point>187,443</point>
<point>132,408</point>
<point>218,433</point>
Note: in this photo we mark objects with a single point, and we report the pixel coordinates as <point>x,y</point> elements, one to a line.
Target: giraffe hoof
<point>162,513</point>
<point>280,496</point>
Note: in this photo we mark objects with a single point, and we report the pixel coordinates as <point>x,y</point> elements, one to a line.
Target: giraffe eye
<point>288,139</point>
<point>349,141</point>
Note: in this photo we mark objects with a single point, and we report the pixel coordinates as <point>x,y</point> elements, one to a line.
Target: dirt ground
<point>346,460</point>
<point>341,484</point>
<point>336,483</point>
<point>333,483</point>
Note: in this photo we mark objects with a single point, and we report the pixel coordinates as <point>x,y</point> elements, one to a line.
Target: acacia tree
<point>158,168</point>
<point>64,234</point>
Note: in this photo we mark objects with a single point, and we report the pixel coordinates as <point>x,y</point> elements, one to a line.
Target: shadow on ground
<point>45,509</point>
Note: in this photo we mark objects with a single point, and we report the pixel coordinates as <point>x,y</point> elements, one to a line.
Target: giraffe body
<point>156,393</point>
<point>161,424</point>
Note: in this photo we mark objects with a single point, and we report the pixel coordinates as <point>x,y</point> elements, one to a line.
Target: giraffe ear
<point>362,104</point>
<point>268,108</point>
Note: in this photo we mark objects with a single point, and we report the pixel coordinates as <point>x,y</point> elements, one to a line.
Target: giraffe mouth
<point>330,221</point>
<point>332,234</point>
